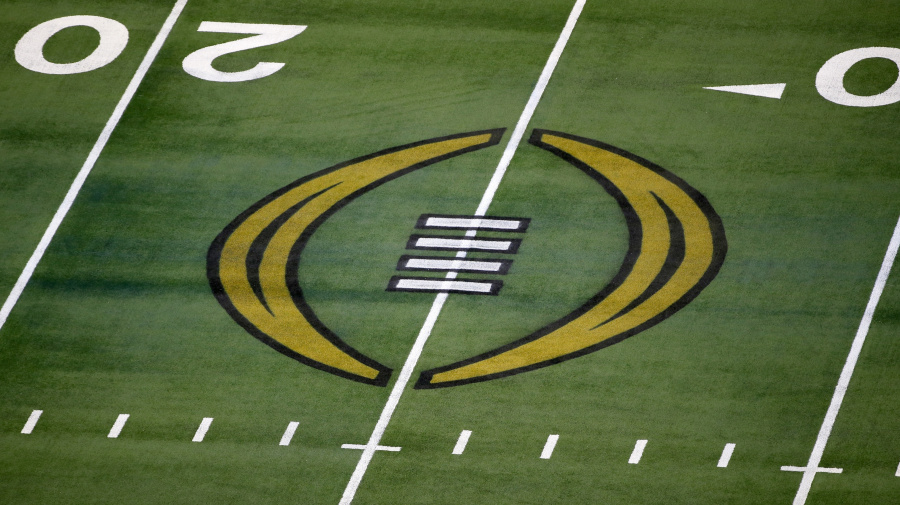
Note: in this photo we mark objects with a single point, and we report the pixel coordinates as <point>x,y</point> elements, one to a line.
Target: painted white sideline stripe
<point>202,429</point>
<point>726,456</point>
<point>69,199</point>
<point>637,452</point>
<point>549,446</point>
<point>462,442</point>
<point>117,426</point>
<point>439,264</point>
<point>486,199</point>
<point>482,223</point>
<point>479,244</point>
<point>289,433</point>
<point>32,421</point>
<point>362,447</point>
<point>763,90</point>
<point>812,467</point>
<point>442,285</point>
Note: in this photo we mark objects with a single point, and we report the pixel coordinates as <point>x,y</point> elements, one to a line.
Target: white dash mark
<point>637,452</point>
<point>117,426</point>
<point>486,199</point>
<point>462,441</point>
<point>726,455</point>
<point>473,223</point>
<point>289,433</point>
<point>763,90</point>
<point>32,421</point>
<point>898,471</point>
<point>75,188</point>
<point>202,429</point>
<point>362,447</point>
<point>549,446</point>
<point>479,244</point>
<point>815,457</point>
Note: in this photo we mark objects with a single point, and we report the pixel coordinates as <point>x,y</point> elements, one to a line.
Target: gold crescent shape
<point>677,245</point>
<point>252,265</point>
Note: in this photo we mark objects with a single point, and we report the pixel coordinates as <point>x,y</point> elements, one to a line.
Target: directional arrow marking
<point>764,90</point>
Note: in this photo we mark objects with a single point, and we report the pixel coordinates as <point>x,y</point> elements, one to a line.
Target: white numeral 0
<point>830,79</point>
<point>30,48</point>
<point>199,63</point>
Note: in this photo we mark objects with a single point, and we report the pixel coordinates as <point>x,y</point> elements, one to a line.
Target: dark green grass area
<point>119,317</point>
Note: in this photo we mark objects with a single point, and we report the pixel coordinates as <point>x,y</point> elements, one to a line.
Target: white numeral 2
<point>199,63</point>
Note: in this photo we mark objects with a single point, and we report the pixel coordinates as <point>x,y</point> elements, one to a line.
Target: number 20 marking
<point>114,37</point>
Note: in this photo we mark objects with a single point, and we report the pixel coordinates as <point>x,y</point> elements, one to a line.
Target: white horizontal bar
<point>480,223</point>
<point>362,447</point>
<point>444,285</point>
<point>450,243</point>
<point>441,264</point>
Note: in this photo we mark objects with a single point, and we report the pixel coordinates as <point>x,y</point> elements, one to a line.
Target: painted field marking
<point>898,471</point>
<point>637,452</point>
<point>459,265</point>
<point>363,447</point>
<point>549,446</point>
<point>763,90</point>
<point>289,433</point>
<point>455,243</point>
<point>117,426</point>
<point>74,189</point>
<point>410,364</point>
<point>812,467</point>
<point>726,456</point>
<point>473,223</point>
<point>32,421</point>
<point>444,286</point>
<point>202,429</point>
<point>461,442</point>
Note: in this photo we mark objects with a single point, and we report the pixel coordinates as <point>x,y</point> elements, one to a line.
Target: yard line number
<point>114,37</point>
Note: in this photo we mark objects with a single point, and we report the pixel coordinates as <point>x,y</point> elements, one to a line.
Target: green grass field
<point>119,317</point>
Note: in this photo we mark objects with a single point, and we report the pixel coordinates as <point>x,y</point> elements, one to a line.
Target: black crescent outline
<point>214,254</point>
<point>720,248</point>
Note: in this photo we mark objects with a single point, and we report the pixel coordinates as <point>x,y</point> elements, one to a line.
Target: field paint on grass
<point>898,471</point>
<point>438,304</point>
<point>202,429</point>
<point>763,90</point>
<point>32,421</point>
<point>117,426</point>
<point>726,456</point>
<point>361,447</point>
<point>462,441</point>
<point>69,199</point>
<point>289,433</point>
<point>549,446</point>
<point>812,467</point>
<point>637,452</point>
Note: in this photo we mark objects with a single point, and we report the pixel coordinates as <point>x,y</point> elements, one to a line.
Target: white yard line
<point>32,421</point>
<point>289,433</point>
<point>202,429</point>
<point>413,358</point>
<point>69,199</point>
<point>638,452</point>
<point>726,456</point>
<point>812,467</point>
<point>117,426</point>
<point>549,446</point>
<point>462,442</point>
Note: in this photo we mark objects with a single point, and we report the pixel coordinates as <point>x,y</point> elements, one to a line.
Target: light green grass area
<point>119,316</point>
